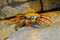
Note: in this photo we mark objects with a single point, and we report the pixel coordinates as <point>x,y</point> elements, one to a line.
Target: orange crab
<point>31,18</point>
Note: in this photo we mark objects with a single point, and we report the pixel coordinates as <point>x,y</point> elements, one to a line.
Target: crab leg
<point>47,15</point>
<point>47,18</point>
<point>40,20</point>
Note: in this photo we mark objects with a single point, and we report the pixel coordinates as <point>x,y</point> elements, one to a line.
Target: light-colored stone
<point>6,30</point>
<point>10,1</point>
<point>13,10</point>
<point>6,2</point>
<point>47,33</point>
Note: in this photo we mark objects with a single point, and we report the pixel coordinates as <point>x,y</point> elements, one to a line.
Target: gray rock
<point>13,10</point>
<point>47,33</point>
<point>6,2</point>
<point>15,7</point>
<point>6,29</point>
<point>50,4</point>
<point>2,15</point>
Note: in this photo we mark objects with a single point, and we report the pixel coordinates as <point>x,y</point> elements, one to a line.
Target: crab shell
<point>28,15</point>
<point>32,17</point>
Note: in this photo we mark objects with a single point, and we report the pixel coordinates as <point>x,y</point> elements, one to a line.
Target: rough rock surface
<point>6,30</point>
<point>13,1</point>
<point>18,8</point>
<point>47,33</point>
<point>7,2</point>
<point>14,7</point>
<point>50,4</point>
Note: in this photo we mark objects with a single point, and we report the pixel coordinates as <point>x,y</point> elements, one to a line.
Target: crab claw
<point>27,24</point>
<point>32,21</point>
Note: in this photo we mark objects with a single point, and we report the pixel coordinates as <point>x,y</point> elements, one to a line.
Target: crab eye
<point>33,17</point>
<point>25,17</point>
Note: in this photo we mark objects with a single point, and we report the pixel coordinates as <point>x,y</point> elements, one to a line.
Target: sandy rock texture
<point>6,30</point>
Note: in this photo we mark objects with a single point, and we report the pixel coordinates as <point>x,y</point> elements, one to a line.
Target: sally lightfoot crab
<point>32,18</point>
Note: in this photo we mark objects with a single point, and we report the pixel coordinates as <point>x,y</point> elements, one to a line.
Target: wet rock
<point>6,2</point>
<point>50,4</point>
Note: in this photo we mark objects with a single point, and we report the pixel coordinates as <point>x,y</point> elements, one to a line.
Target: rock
<point>6,2</point>
<point>15,7</point>
<point>12,1</point>
<point>21,0</point>
<point>2,15</point>
<point>6,30</point>
<point>47,33</point>
<point>3,3</point>
<point>13,10</point>
<point>50,4</point>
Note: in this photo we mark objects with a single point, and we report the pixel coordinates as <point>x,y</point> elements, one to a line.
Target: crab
<point>31,18</point>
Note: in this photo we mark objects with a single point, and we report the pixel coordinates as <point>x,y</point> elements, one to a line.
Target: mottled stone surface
<point>47,33</point>
<point>15,7</point>
<point>50,4</point>
<point>18,8</point>
<point>6,2</point>
<point>6,30</point>
<point>13,1</point>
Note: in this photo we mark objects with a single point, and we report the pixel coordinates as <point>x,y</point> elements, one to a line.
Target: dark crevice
<point>8,2</point>
<point>9,18</point>
<point>51,10</point>
<point>41,6</point>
